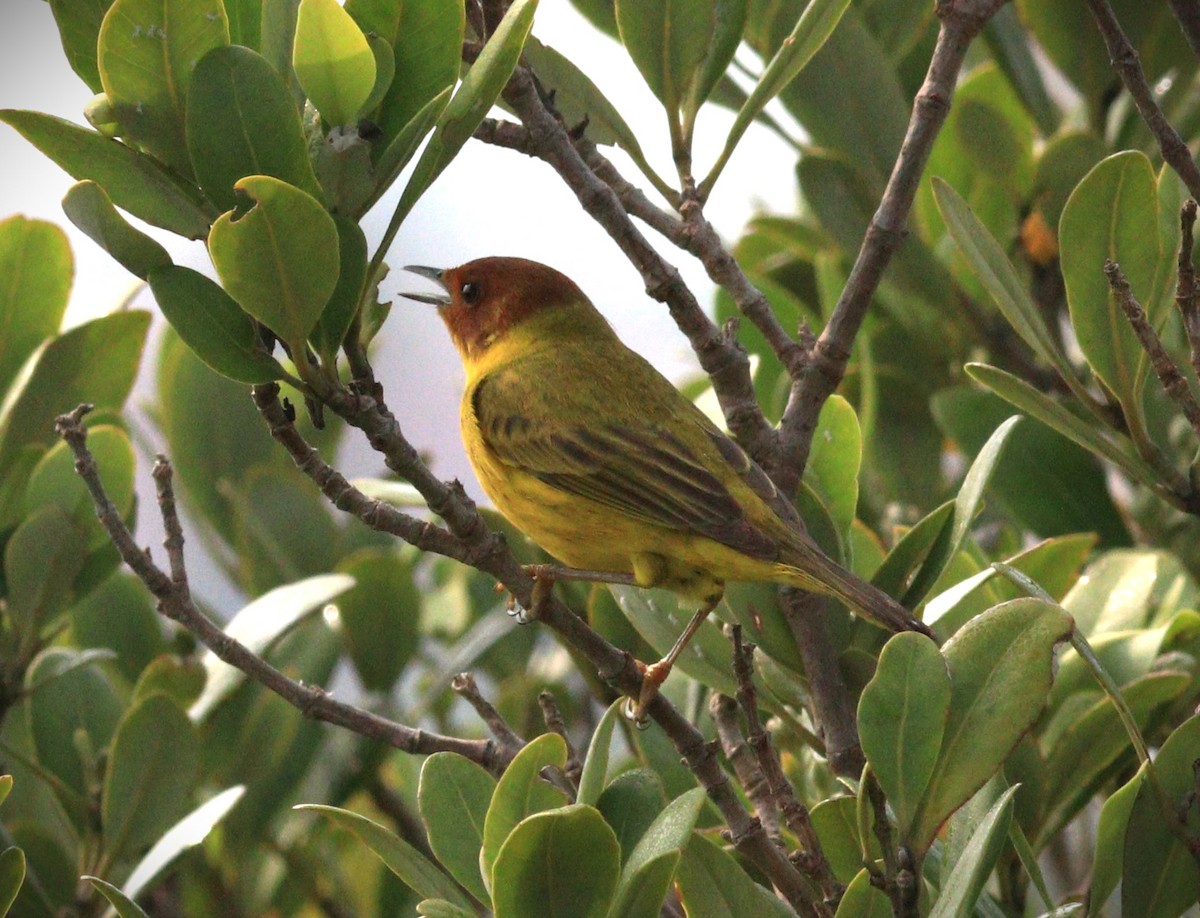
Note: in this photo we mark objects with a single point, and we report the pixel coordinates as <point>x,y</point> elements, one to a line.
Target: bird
<point>594,455</point>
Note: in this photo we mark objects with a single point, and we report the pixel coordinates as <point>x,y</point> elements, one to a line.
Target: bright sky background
<point>488,202</point>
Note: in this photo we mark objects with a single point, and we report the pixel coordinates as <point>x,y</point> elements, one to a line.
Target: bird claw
<point>653,676</point>
<point>516,611</point>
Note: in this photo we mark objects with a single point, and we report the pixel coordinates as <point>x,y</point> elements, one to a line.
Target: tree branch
<point>961,21</point>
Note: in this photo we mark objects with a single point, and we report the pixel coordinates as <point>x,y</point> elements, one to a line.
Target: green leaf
<point>405,861</point>
<point>660,617</point>
<point>711,883</point>
<point>339,313</point>
<point>124,906</point>
<point>41,560</point>
<point>215,327</point>
<point>908,553</point>
<point>630,804</point>
<point>648,871</point>
<point>1000,671</point>
<point>279,259</point>
<point>530,876</point>
<point>998,276</point>
<point>729,21</point>
<point>1160,876</point>
<point>1117,592</point>
<point>595,764</point>
<point>333,61</point>
<point>180,679</point>
<point>380,616</point>
<point>836,823</point>
<point>241,120</point>
<point>260,624</point>
<point>966,506</point>
<point>1113,213</point>
<point>134,181</point>
<point>478,92</point>
<point>385,70</point>
<point>95,362</point>
<point>12,875</point>
<point>70,696</point>
<point>152,765</point>
<point>1109,858</point>
<point>453,795</point>
<point>78,24</point>
<point>901,715</point>
<point>147,51</point>
<point>962,888</point>
<point>1022,395</point>
<point>89,207</point>
<point>815,25</point>
<point>834,461</point>
<point>426,38</point>
<point>520,793</point>
<point>278,39</point>
<point>1011,45</point>
<point>862,900</point>
<point>440,908</point>
<point>36,264</point>
<point>668,41</point>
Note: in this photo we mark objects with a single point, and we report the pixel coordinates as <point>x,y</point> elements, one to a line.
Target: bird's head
<point>486,298</point>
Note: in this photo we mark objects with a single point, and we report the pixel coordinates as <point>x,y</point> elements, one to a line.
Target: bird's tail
<point>822,574</point>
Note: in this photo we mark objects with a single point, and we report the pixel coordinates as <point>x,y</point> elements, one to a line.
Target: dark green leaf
<point>648,871</point>
<point>453,795</point>
<point>1011,45</point>
<point>214,326</point>
<point>668,40</point>
<point>711,883</point>
<point>41,560</point>
<point>962,888</point>
<point>380,616</point>
<point>79,28</point>
<point>862,900</point>
<point>630,803</point>
<point>133,180</point>
<point>152,766</point>
<point>912,549</point>
<point>147,52</point>
<point>12,875</point>
<point>339,313</point>
<point>36,264</point>
<point>242,121</point>
<point>89,207</point>
<point>124,906</point>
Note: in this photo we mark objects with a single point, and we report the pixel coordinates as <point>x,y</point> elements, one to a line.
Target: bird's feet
<point>543,582</point>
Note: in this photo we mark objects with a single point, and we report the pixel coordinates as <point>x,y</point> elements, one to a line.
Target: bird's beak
<point>434,274</point>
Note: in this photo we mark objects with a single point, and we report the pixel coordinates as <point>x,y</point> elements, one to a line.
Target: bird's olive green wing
<point>635,466</point>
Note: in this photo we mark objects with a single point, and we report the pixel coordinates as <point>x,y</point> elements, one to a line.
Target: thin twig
<point>724,711</point>
<point>961,21</point>
<point>1128,66</point>
<point>811,859</point>
<point>465,686</point>
<point>555,722</point>
<point>1187,293</point>
<point>903,902</point>
<point>176,604</point>
<point>1174,383</point>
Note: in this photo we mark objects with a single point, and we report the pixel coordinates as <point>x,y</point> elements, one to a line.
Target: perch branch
<point>175,603</point>
<point>961,21</point>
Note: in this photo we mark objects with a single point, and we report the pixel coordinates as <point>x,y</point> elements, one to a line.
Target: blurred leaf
<point>1010,44</point>
<point>180,679</point>
<point>963,886</point>
<point>520,793</point>
<point>95,362</point>
<point>152,765</point>
<point>41,559</point>
<point>667,40</point>
<point>213,325</point>
<point>333,61</point>
<point>89,207</point>
<point>78,24</point>
<point>242,121</point>
<point>440,908</point>
<point>862,900</point>
<point>1160,875</point>
<point>417,872</point>
<point>1081,499</point>
<point>1062,164</point>
<point>385,70</point>
<point>147,51</point>
<point>134,181</point>
<point>544,848</point>
<point>1113,213</point>
<point>477,93</point>
<point>261,623</point>
<point>812,30</point>
<point>1116,593</point>
<point>279,259</point>
<point>711,883</point>
<point>342,307</point>
<point>397,155</point>
<point>647,872</point>
<point>454,795</point>
<point>124,905</point>
<point>729,21</point>
<point>70,697</point>
<point>595,763</point>
<point>1000,672</point>
<point>12,875</point>
<point>630,804</point>
<point>901,716</point>
<point>380,615</point>
<point>36,264</point>
<point>426,38</point>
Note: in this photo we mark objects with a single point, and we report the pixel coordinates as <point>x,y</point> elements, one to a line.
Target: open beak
<point>434,274</point>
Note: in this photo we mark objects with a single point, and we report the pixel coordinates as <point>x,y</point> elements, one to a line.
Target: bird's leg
<point>656,673</point>
<point>545,575</point>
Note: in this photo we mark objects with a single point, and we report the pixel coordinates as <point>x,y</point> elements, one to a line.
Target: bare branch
<point>724,711</point>
<point>465,686</point>
<point>175,603</point>
<point>1187,293</point>
<point>555,722</point>
<point>961,21</point>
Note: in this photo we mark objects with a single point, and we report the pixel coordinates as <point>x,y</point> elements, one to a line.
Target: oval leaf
<point>453,796</point>
<point>668,40</point>
<point>89,207</point>
<point>333,61</point>
<point>36,264</point>
<point>648,871</point>
<point>280,259</point>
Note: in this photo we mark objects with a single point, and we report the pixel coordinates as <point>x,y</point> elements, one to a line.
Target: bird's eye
<point>470,293</point>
